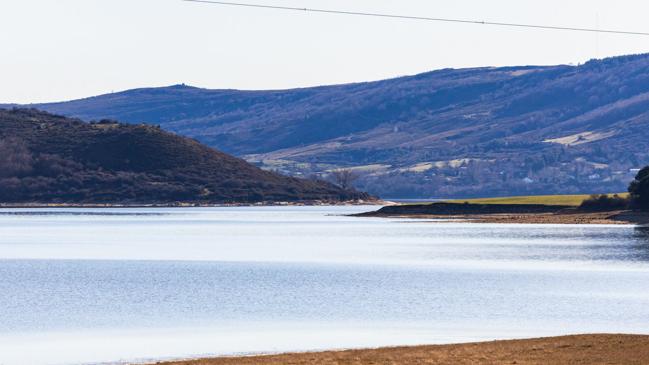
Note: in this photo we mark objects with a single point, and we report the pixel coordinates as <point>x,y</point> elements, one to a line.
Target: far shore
<point>571,217</point>
<point>593,349</point>
<point>190,205</point>
<point>509,213</point>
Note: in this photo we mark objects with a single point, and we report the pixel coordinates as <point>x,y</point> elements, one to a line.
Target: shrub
<point>604,202</point>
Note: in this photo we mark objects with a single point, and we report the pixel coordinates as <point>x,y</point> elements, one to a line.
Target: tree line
<point>638,196</point>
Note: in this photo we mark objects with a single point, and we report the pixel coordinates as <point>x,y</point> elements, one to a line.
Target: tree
<point>344,178</point>
<point>639,189</point>
<point>15,158</point>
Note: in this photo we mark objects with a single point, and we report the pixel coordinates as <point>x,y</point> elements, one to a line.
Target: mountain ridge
<point>445,133</point>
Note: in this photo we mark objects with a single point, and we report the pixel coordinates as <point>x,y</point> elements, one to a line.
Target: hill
<point>46,158</point>
<point>449,133</point>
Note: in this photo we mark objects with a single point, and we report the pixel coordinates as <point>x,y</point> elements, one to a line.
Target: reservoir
<point>90,286</point>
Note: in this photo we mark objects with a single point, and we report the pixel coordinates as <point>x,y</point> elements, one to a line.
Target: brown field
<point>581,349</point>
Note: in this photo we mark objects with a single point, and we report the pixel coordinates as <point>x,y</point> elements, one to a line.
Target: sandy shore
<point>621,217</point>
<point>582,349</point>
<point>571,217</point>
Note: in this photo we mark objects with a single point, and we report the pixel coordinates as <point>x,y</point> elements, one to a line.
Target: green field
<point>573,200</point>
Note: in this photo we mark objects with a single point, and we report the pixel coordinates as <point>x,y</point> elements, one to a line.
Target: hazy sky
<point>64,49</point>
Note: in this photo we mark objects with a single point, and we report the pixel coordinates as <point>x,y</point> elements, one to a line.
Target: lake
<point>87,286</point>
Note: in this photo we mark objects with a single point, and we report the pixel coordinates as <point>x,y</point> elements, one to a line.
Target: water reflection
<point>641,247</point>
<point>79,213</point>
<point>231,275</point>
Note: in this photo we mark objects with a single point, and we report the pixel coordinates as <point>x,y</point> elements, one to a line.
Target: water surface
<point>109,285</point>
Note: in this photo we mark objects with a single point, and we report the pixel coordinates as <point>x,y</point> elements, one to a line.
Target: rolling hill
<point>46,158</point>
<point>448,133</point>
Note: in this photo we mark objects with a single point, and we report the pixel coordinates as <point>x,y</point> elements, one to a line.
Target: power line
<point>408,17</point>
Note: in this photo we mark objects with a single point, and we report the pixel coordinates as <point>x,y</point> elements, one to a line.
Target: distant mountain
<point>51,159</point>
<point>467,132</point>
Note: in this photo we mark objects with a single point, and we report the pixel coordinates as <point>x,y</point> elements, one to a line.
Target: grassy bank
<point>571,200</point>
<point>583,349</point>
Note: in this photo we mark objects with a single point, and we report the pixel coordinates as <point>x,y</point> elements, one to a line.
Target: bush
<point>639,190</point>
<point>604,202</point>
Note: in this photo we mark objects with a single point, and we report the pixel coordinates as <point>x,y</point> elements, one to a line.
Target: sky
<point>68,49</point>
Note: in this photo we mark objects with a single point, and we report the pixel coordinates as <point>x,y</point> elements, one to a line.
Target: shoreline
<point>189,205</point>
<point>592,349</point>
<point>587,218</point>
<point>509,214</point>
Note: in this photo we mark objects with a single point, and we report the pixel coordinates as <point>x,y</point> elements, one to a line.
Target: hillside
<point>46,158</point>
<point>447,133</point>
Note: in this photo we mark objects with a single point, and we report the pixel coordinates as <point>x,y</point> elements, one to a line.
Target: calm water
<point>84,286</point>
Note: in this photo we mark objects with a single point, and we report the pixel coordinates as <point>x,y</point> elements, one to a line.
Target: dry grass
<point>572,200</point>
<point>569,350</point>
<point>581,138</point>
